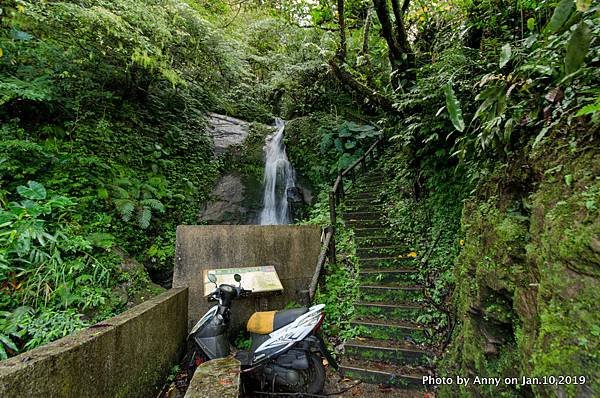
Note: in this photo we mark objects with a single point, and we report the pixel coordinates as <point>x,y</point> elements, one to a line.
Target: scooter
<point>286,354</point>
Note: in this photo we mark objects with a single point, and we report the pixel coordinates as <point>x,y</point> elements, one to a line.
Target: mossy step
<point>363,215</point>
<point>397,275</point>
<point>374,372</point>
<point>374,223</point>
<point>370,183</point>
<point>374,174</point>
<point>390,329</point>
<point>363,207</point>
<point>391,293</point>
<point>381,251</point>
<point>362,201</point>
<point>391,311</point>
<point>371,194</point>
<point>371,241</point>
<point>391,352</point>
<point>370,231</point>
<point>386,262</point>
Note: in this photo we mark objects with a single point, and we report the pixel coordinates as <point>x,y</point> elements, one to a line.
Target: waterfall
<point>279,176</point>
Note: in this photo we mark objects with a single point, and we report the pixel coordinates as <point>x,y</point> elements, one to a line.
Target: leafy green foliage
<point>577,47</point>
<point>339,290</point>
<point>48,270</point>
<point>453,107</point>
<point>505,55</point>
<point>348,140</point>
<point>561,14</point>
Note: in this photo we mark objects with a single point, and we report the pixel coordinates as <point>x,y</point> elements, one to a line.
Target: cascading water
<point>279,176</point>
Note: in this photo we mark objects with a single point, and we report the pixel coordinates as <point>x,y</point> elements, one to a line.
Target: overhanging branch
<point>352,85</point>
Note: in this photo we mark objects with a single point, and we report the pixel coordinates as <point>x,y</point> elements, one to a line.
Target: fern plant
<point>137,201</point>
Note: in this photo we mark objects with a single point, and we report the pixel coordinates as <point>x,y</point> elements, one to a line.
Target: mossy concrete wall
<point>292,249</point>
<point>528,277</point>
<point>129,355</point>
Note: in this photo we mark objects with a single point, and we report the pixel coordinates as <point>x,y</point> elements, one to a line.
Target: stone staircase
<point>389,347</point>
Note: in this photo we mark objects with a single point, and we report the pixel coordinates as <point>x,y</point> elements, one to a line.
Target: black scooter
<point>286,354</point>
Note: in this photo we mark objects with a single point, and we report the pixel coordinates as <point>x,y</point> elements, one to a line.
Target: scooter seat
<point>268,321</point>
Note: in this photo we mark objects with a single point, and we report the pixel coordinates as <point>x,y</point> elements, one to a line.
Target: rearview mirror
<point>212,278</point>
<point>237,277</point>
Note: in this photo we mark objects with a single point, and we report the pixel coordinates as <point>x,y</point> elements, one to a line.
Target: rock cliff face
<point>226,131</point>
<point>234,200</point>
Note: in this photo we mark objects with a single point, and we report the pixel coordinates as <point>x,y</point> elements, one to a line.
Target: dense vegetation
<point>491,109</point>
<point>103,151</point>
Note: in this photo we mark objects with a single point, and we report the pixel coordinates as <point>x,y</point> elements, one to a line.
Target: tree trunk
<point>400,52</point>
<point>342,22</point>
<point>365,48</point>
<point>367,29</point>
<point>368,97</point>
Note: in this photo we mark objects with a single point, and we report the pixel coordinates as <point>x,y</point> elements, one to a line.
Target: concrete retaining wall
<point>292,249</point>
<point>125,356</point>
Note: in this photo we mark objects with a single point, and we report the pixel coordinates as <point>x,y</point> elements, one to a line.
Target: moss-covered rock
<point>528,276</point>
<point>303,142</point>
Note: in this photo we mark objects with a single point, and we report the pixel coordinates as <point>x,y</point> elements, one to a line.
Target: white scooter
<point>286,353</point>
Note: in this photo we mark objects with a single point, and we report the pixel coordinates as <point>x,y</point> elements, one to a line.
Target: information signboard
<point>258,279</point>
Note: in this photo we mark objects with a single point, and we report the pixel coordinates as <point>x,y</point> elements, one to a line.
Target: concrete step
<point>390,329</point>
<point>360,194</point>
<point>400,276</point>
<point>391,352</point>
<point>363,215</point>
<point>381,251</point>
<point>370,182</point>
<point>370,231</point>
<point>377,240</point>
<point>385,310</point>
<point>362,207</point>
<point>387,262</point>
<point>361,201</point>
<point>391,293</point>
<point>380,373</point>
<point>373,223</point>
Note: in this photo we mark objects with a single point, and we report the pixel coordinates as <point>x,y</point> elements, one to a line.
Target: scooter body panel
<point>286,337</point>
<point>210,333</point>
<point>214,347</point>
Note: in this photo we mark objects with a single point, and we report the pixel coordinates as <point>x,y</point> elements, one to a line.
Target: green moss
<point>303,142</point>
<point>247,157</point>
<point>528,276</point>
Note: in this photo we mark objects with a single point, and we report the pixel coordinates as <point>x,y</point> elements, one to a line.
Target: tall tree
<point>342,24</point>
<point>400,53</point>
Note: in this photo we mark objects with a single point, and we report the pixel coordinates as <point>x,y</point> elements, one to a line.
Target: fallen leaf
<point>225,382</point>
<point>412,254</point>
<point>555,95</point>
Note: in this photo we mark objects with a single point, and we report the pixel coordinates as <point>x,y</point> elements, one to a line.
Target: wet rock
<point>226,131</point>
<point>231,202</point>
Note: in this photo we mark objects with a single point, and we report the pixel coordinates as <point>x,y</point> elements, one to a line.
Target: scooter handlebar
<point>243,292</point>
